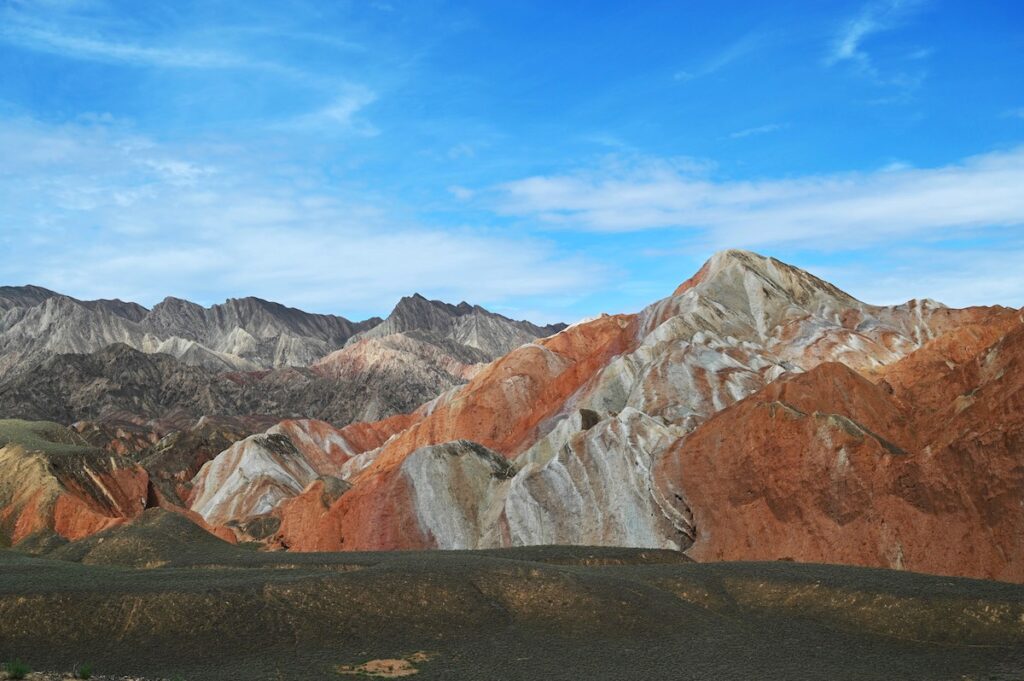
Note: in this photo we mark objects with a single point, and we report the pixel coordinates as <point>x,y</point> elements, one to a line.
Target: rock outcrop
<point>252,477</point>
<point>23,296</point>
<point>50,479</point>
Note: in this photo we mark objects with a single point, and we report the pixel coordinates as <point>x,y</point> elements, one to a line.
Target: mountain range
<point>756,413</point>
<point>68,360</point>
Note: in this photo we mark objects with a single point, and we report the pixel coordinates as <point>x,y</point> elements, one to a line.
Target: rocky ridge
<point>240,334</point>
<point>67,360</point>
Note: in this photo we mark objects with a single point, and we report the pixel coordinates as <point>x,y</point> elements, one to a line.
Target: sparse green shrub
<point>17,670</point>
<point>83,671</point>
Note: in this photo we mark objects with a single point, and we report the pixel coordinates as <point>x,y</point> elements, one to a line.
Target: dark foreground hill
<point>539,613</point>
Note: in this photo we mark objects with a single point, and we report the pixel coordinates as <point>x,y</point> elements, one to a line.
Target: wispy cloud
<point>339,115</point>
<point>87,30</point>
<point>848,44</point>
<point>60,28</point>
<point>729,54</point>
<point>81,201</point>
<point>29,35</point>
<point>876,17</point>
<point>851,209</point>
<point>758,130</point>
<point>966,275</point>
<point>461,193</point>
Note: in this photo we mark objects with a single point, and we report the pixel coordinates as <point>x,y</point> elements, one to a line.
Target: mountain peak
<point>736,271</point>
<point>466,324</point>
<point>172,302</point>
<point>23,296</point>
<point>418,305</point>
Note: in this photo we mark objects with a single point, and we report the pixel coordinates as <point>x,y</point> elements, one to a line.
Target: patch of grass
<point>17,670</point>
<point>42,436</point>
<point>83,671</point>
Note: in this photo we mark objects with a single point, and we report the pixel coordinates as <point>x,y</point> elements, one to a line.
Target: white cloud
<point>847,45</point>
<point>340,115</point>
<point>726,56</point>
<point>958,277</point>
<point>45,39</point>
<point>461,193</point>
<point>758,130</point>
<point>61,28</point>
<point>851,209</point>
<point>178,171</point>
<point>97,212</point>
<point>876,17</point>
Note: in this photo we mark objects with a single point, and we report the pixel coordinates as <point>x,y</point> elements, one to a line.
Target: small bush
<point>17,670</point>
<point>83,671</point>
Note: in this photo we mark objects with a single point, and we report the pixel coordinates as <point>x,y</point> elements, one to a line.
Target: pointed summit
<point>757,290</point>
<point>739,270</point>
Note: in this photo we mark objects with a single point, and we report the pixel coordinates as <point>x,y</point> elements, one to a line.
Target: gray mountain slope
<point>471,325</point>
<point>69,360</point>
<point>240,334</point>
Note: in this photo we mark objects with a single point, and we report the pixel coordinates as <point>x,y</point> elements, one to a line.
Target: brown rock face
<point>924,471</point>
<point>305,520</point>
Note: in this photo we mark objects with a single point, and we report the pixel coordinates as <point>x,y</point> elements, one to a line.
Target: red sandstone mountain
<point>756,413</point>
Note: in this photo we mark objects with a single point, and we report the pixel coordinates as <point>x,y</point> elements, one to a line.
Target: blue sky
<point>549,160</point>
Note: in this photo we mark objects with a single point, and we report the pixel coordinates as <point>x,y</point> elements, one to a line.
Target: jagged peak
<point>418,301</point>
<point>172,302</point>
<point>248,306</point>
<point>461,309</point>
<point>255,302</point>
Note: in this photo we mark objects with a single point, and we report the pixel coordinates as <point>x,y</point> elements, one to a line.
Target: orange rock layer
<point>500,408</point>
<point>925,475</point>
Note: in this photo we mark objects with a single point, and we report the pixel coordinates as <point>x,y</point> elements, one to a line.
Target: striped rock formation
<point>709,422</point>
<point>52,481</point>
